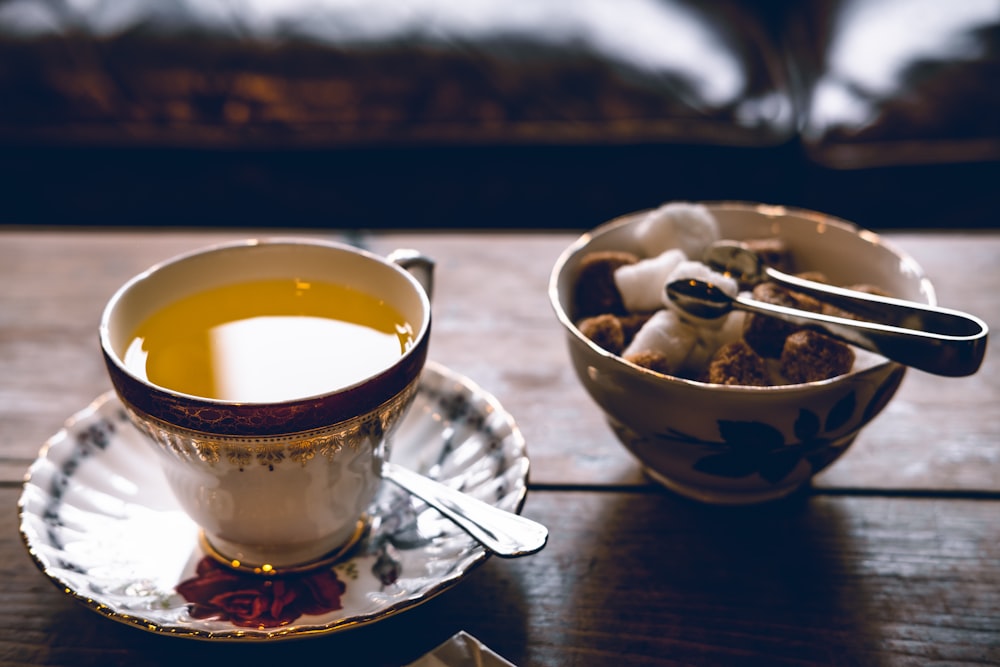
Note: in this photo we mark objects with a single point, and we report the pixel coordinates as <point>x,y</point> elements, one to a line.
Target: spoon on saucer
<point>937,340</point>
<point>504,533</point>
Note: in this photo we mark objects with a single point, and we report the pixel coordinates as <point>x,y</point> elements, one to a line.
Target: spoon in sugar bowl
<point>932,339</point>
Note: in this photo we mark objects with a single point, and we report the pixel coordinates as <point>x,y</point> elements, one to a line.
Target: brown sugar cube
<point>809,356</point>
<point>772,252</point>
<point>825,308</point>
<point>605,330</point>
<point>736,363</point>
<point>654,361</point>
<point>766,335</point>
<point>595,292</point>
<point>869,289</point>
<point>829,309</point>
<point>815,276</point>
<point>632,323</point>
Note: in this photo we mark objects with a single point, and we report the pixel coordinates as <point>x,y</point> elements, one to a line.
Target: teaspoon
<point>504,533</point>
<point>936,340</point>
<point>744,265</point>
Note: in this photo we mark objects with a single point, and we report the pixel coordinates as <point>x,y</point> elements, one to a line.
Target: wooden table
<point>891,558</point>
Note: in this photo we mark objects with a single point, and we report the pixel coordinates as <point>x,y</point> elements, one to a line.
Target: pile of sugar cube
<point>621,304</point>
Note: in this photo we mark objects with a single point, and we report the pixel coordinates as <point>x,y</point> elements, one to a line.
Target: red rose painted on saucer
<point>252,601</point>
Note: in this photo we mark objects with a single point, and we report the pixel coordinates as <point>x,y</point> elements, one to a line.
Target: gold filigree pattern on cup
<point>273,450</point>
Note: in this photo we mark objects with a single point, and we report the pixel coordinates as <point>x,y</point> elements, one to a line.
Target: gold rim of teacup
<point>269,450</point>
<point>264,418</point>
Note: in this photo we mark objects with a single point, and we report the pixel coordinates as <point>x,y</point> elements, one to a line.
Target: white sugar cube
<point>690,270</point>
<point>641,284</point>
<point>665,333</point>
<point>731,328</point>
<point>684,225</point>
<point>699,356</point>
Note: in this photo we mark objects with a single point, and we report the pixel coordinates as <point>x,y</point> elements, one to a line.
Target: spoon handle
<point>504,533</point>
<point>933,339</point>
<point>884,309</point>
<point>941,354</point>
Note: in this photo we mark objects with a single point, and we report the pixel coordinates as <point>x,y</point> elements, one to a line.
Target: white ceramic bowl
<point>738,444</point>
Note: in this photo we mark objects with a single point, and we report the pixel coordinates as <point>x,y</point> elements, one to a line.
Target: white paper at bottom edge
<point>462,650</point>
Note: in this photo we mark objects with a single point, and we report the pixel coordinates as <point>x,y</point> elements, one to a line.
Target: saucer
<point>98,519</point>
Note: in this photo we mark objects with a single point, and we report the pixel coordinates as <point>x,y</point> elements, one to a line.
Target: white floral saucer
<point>99,520</point>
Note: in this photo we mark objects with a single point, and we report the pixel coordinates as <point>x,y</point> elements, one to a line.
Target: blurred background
<point>495,114</point>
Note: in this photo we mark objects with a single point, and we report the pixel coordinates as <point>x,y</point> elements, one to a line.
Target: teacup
<point>279,471</point>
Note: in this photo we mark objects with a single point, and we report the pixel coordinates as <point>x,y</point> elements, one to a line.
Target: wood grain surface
<point>493,322</point>
<point>633,578</point>
<point>891,558</point>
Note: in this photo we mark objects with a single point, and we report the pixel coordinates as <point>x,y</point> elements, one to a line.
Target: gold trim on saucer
<point>130,576</point>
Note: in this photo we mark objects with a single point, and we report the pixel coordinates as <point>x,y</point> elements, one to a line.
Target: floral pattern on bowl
<point>737,444</point>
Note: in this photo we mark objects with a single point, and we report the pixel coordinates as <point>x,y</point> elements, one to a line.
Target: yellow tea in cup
<point>268,340</point>
<point>269,376</point>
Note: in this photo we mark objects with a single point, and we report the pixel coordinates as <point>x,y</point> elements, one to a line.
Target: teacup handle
<point>418,264</point>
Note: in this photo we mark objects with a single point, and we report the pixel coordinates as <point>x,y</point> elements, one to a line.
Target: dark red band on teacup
<point>263,419</point>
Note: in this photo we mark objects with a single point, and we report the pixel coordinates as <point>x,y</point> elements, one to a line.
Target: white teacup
<point>281,483</point>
